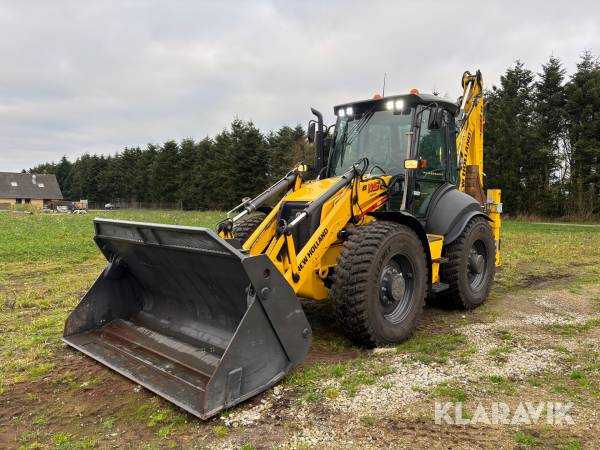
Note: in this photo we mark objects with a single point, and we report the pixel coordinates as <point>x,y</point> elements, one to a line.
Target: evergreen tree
<point>128,165</point>
<point>240,167</point>
<point>509,138</point>
<point>583,125</point>
<point>187,192</point>
<point>205,184</point>
<point>286,147</point>
<point>549,126</point>
<point>163,179</point>
<point>143,173</point>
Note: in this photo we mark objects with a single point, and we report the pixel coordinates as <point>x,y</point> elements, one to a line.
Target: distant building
<point>28,188</point>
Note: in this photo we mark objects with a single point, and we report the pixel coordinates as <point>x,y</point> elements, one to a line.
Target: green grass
<point>572,444</point>
<point>525,439</point>
<point>47,262</point>
<point>573,329</point>
<point>351,376</point>
<point>505,335</point>
<point>500,351</point>
<point>368,421</point>
<point>352,383</point>
<point>449,392</point>
<point>533,252</point>
<point>220,430</point>
<point>431,348</point>
<point>309,377</point>
<point>500,384</point>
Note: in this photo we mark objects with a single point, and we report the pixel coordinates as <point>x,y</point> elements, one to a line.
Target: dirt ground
<point>535,340</point>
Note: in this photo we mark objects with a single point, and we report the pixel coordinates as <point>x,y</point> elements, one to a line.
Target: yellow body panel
<point>469,141</point>
<point>436,242</point>
<point>494,209</point>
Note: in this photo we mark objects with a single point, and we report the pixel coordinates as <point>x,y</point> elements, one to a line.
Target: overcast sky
<point>96,76</point>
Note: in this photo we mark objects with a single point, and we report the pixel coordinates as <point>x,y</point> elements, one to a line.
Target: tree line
<point>208,174</point>
<point>542,148</point>
<point>542,139</point>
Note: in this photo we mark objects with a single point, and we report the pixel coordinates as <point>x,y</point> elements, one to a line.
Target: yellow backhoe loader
<point>397,212</point>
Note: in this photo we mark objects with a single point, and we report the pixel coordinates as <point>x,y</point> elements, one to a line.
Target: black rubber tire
<point>455,272</point>
<point>244,228</point>
<point>355,291</point>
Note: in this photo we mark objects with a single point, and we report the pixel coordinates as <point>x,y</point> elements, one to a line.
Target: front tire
<point>379,285</point>
<point>471,265</point>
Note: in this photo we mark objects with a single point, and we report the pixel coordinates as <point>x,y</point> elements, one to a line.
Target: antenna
<point>383,90</point>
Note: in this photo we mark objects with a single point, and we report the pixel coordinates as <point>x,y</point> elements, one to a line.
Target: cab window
<point>433,149</point>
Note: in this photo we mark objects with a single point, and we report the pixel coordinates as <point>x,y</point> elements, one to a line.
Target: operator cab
<point>393,129</point>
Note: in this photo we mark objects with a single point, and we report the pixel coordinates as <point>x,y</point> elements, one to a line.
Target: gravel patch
<point>410,381</point>
<point>248,416</point>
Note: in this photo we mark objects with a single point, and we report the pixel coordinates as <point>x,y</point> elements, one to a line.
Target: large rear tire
<point>471,265</point>
<point>244,228</point>
<point>379,284</point>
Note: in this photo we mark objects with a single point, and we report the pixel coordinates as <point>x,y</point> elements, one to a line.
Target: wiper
<point>358,126</point>
<point>351,134</point>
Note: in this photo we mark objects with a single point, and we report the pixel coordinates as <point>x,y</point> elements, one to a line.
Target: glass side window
<point>432,148</point>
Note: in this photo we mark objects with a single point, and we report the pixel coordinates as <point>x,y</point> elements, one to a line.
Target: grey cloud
<point>98,76</point>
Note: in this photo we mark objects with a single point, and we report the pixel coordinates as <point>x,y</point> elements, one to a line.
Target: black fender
<point>460,226</point>
<point>450,211</point>
<point>413,223</point>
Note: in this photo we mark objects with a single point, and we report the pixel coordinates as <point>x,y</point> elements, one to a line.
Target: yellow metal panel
<point>319,254</point>
<point>494,210</point>
<point>311,190</point>
<point>436,243</point>
<point>469,140</point>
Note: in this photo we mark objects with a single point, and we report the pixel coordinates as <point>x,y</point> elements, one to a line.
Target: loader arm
<point>344,202</point>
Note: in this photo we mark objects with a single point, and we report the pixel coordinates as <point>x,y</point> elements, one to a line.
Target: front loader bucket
<point>188,316</point>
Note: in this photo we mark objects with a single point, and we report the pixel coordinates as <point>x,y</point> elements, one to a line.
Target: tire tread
<point>349,291</point>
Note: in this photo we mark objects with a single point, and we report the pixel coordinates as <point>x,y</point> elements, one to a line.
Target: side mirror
<point>310,134</point>
<point>435,118</point>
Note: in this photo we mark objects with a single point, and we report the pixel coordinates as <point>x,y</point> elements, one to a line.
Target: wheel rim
<point>477,265</point>
<point>396,288</point>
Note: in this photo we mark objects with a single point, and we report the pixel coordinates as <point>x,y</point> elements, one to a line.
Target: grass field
<point>537,339</point>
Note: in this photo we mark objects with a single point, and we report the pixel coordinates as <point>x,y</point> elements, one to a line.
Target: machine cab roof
<point>389,130</point>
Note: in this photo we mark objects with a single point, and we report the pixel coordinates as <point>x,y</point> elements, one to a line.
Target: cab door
<point>436,148</point>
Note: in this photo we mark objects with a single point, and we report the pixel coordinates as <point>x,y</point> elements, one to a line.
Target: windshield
<point>379,136</point>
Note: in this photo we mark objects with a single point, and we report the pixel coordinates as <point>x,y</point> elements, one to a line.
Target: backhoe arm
<point>469,142</point>
<point>469,145</point>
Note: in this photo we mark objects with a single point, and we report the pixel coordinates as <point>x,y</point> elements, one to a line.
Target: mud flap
<point>188,316</point>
